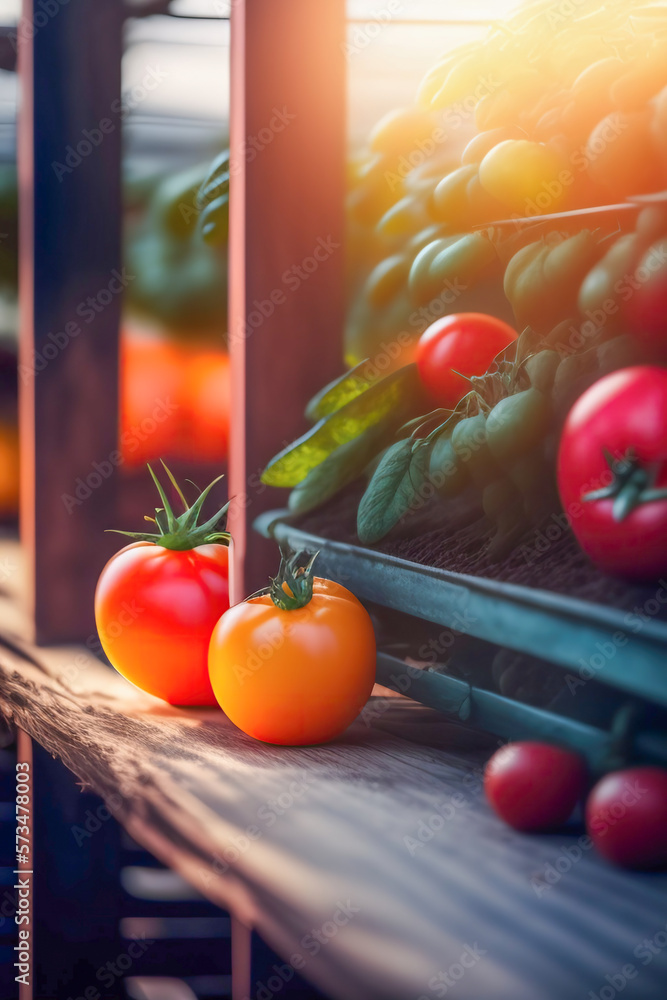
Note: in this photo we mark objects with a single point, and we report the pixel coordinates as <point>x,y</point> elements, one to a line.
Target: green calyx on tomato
<point>182,532</point>
<point>292,587</point>
<point>632,485</point>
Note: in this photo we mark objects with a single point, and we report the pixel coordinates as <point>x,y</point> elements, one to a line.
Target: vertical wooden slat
<point>70,205</point>
<point>241,959</point>
<point>286,306</point>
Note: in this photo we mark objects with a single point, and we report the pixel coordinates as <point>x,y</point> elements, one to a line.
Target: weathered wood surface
<point>300,842</point>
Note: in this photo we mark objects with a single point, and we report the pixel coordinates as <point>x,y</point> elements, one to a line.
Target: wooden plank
<point>373,863</point>
<point>287,137</point>
<point>69,188</point>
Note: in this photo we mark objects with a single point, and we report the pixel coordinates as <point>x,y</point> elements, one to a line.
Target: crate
<point>615,712</point>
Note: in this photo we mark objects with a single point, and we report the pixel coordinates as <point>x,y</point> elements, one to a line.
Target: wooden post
<point>71,284</point>
<point>287,135</point>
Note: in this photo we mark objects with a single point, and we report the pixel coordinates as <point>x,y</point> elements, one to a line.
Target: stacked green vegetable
<point>548,112</point>
<point>483,216</point>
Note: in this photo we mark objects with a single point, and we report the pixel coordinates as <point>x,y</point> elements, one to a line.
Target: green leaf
<point>213,202</point>
<point>397,486</point>
<point>342,390</point>
<point>214,221</point>
<point>340,468</point>
<point>397,396</point>
<point>216,181</point>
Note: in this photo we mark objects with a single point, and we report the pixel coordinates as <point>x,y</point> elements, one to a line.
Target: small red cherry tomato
<point>626,817</point>
<point>534,786</point>
<point>459,345</point>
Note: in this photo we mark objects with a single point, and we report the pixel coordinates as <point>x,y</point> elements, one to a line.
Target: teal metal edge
<point>587,639</point>
<point>505,717</point>
<point>494,713</point>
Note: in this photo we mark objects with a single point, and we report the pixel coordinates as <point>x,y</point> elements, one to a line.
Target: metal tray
<point>586,639</point>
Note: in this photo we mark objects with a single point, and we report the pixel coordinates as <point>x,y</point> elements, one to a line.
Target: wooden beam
<point>71,284</point>
<point>287,135</point>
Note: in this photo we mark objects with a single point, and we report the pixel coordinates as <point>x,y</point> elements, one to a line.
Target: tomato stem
<point>183,532</point>
<point>292,587</point>
<point>632,485</point>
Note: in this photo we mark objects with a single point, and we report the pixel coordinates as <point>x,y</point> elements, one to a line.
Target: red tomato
<point>612,468</point>
<point>534,786</point>
<point>626,817</point>
<point>464,343</point>
<point>157,601</point>
<point>156,610</point>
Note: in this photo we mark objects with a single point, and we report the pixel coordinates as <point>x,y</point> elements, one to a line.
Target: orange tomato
<point>297,676</point>
<point>9,470</point>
